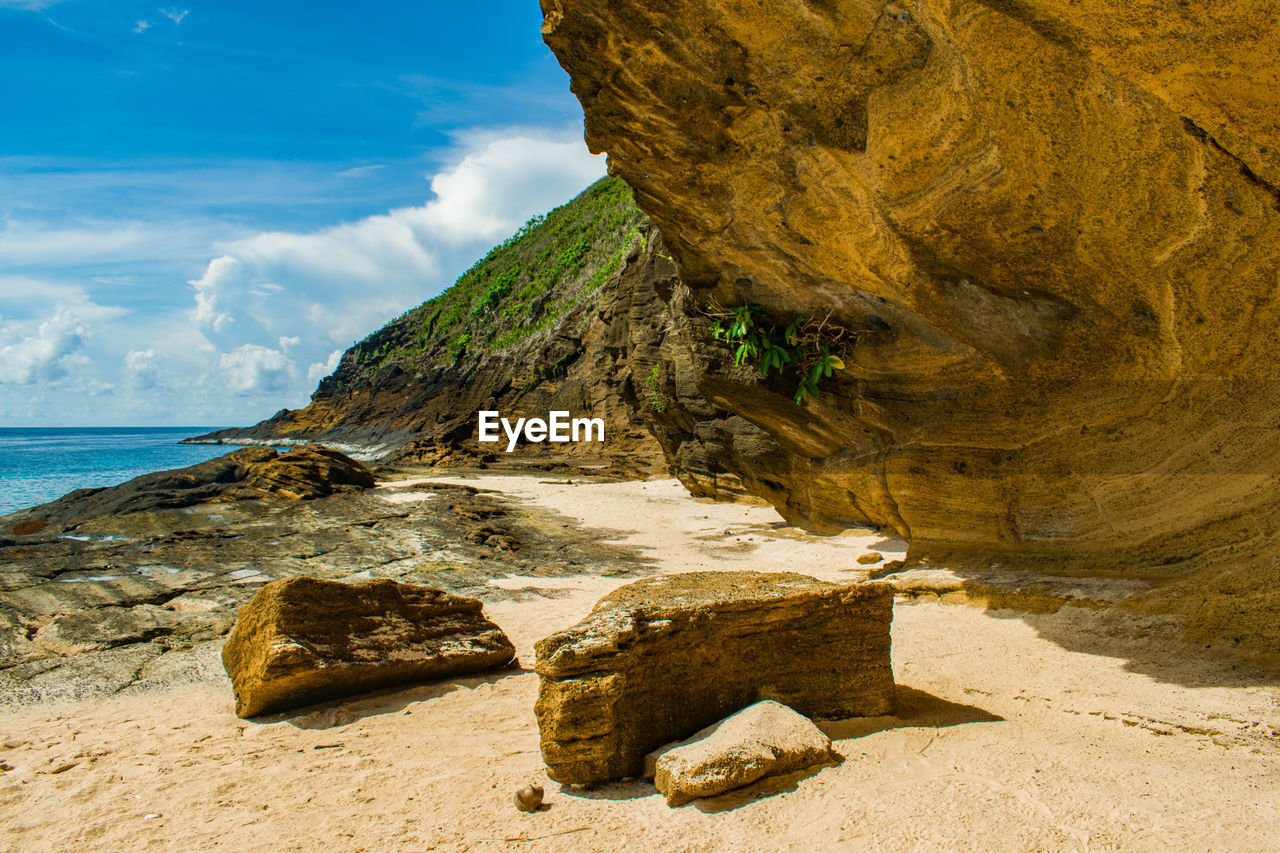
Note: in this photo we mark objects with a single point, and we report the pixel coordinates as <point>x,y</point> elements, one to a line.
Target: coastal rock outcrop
<point>661,658</point>
<point>764,739</point>
<point>303,640</point>
<point>1050,235</point>
<point>537,325</point>
<point>304,473</point>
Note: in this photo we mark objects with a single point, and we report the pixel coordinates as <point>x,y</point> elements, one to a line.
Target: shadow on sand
<point>336,713</point>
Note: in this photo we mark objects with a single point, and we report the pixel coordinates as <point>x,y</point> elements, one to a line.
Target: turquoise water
<point>38,465</point>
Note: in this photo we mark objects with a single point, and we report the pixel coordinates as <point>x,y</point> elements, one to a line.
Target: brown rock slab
<point>1057,353</point>
<point>764,739</point>
<point>661,658</point>
<point>303,640</point>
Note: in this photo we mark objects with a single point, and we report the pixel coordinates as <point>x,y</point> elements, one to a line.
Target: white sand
<point>1006,741</point>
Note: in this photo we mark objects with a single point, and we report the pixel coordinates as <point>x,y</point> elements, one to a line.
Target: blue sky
<point>201,206</point>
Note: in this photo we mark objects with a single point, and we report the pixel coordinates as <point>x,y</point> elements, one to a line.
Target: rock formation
<point>303,640</point>
<point>143,600</point>
<point>1051,230</point>
<point>764,739</point>
<point>539,324</point>
<point>303,473</point>
<point>663,657</point>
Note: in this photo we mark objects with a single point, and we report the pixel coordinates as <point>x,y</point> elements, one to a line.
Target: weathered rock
<point>81,614</point>
<point>1052,229</point>
<point>660,658</point>
<point>764,739</point>
<point>304,473</point>
<point>303,640</point>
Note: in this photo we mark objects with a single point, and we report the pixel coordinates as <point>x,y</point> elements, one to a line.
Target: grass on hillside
<point>522,287</point>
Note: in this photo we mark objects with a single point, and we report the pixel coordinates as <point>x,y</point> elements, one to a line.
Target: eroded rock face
<point>303,640</point>
<point>764,739</point>
<point>661,658</point>
<point>1053,229</point>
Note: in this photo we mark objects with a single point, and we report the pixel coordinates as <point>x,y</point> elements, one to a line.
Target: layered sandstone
<point>303,640</point>
<point>661,658</point>
<point>1052,230</point>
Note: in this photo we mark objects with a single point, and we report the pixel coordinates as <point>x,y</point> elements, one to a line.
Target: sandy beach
<point>1004,739</point>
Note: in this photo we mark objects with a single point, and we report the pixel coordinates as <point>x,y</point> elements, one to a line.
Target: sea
<point>38,465</point>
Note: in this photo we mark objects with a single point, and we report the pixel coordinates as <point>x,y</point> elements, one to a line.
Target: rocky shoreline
<point>118,603</point>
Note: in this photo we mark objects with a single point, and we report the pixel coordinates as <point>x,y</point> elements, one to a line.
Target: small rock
<point>870,557</point>
<point>529,798</point>
<point>764,739</point>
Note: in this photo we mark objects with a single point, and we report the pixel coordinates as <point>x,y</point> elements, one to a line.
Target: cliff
<point>1046,238</point>
<point>532,327</point>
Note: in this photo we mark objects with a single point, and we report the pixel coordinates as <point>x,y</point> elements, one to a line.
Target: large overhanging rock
<point>1053,226</point>
<point>303,640</point>
<point>661,658</point>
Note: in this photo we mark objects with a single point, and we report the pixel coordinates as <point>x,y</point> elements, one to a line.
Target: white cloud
<point>175,14</point>
<point>348,279</point>
<point>142,369</point>
<point>207,314</point>
<point>47,355</point>
<point>253,369</point>
<point>485,197</point>
<point>361,171</point>
<point>266,316</point>
<point>28,5</point>
<point>320,369</point>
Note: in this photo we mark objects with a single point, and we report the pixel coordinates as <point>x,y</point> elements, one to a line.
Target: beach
<point>1004,738</point>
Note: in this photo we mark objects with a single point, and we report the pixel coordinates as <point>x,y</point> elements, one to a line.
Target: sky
<point>202,206</point>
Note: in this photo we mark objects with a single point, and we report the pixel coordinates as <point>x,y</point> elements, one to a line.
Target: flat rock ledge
<point>303,640</point>
<point>764,739</point>
<point>661,658</point>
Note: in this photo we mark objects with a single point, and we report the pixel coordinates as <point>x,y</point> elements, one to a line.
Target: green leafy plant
<point>656,400</point>
<point>807,350</point>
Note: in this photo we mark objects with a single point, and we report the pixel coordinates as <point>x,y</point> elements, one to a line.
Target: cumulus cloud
<point>339,283</point>
<point>253,369</point>
<point>207,314</point>
<point>46,356</point>
<point>175,14</point>
<point>142,25</point>
<point>265,316</point>
<point>142,369</point>
<point>320,369</point>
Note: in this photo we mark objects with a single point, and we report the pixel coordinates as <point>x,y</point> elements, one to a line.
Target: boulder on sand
<point>303,640</point>
<point>764,739</point>
<point>661,658</point>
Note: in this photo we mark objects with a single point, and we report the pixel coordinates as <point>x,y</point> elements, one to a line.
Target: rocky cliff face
<point>539,324</point>
<point>1054,245</point>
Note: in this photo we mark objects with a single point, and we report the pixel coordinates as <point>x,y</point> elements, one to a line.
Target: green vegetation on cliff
<point>522,288</point>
